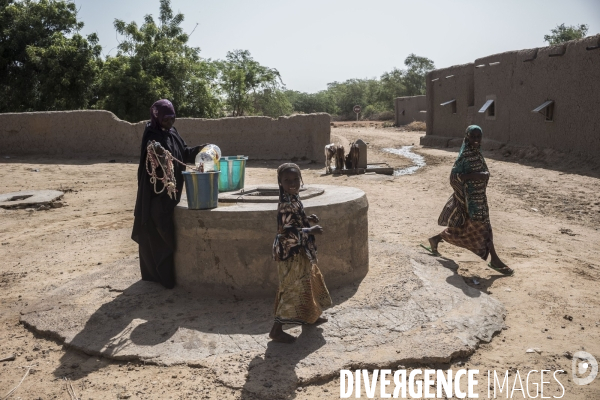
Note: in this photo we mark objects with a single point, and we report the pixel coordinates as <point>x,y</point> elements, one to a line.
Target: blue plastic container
<point>233,173</point>
<point>202,189</point>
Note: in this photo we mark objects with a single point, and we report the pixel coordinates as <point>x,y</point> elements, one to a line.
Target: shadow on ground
<point>274,375</point>
<point>541,158</point>
<point>147,316</point>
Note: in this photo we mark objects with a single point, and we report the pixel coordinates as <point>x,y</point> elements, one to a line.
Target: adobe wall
<point>101,133</point>
<point>410,108</point>
<point>573,82</point>
<point>520,81</point>
<point>493,76</point>
<point>444,85</point>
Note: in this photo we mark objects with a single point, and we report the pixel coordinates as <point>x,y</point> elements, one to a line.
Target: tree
<point>352,92</point>
<point>307,103</point>
<point>375,96</point>
<point>392,85</point>
<point>154,62</point>
<point>563,33</point>
<point>44,63</point>
<point>414,78</point>
<point>242,78</point>
<point>271,103</point>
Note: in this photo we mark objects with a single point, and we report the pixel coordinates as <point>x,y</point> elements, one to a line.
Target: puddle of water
<point>406,151</point>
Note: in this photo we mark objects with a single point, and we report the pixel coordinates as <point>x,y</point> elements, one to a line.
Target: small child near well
<point>302,294</point>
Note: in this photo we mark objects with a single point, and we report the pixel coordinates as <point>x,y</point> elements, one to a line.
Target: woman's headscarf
<point>160,110</point>
<point>461,165</point>
<point>471,129</point>
<point>280,170</point>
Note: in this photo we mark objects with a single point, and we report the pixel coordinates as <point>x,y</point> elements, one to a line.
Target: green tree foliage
<point>417,69</point>
<point>242,79</point>
<point>271,103</point>
<point>307,103</point>
<point>563,33</point>
<point>44,63</point>
<point>363,92</point>
<point>154,62</point>
<point>375,96</point>
<point>392,85</point>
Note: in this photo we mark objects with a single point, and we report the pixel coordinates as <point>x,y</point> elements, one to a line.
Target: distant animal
<point>330,153</point>
<point>352,157</point>
<point>339,158</point>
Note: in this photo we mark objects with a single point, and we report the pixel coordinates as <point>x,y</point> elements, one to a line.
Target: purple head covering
<point>160,110</point>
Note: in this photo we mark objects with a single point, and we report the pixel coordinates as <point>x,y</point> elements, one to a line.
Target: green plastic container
<point>201,189</point>
<point>233,173</point>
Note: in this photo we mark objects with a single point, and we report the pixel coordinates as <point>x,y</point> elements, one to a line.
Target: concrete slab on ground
<point>413,309</point>
<point>29,198</point>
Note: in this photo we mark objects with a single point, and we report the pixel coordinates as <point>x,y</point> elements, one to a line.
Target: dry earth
<point>545,212</point>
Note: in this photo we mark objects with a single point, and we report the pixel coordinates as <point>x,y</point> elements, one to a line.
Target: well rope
<point>168,178</point>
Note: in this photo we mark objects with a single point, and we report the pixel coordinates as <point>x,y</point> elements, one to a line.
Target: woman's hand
<point>316,230</point>
<point>158,148</point>
<point>313,218</point>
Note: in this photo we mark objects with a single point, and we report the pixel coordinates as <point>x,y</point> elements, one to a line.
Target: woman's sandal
<point>435,253</point>
<point>504,270</point>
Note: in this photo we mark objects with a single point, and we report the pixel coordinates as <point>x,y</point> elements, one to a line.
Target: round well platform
<point>226,251</point>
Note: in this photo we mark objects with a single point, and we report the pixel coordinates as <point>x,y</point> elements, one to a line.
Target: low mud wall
<point>410,109</point>
<point>102,134</point>
<point>452,87</point>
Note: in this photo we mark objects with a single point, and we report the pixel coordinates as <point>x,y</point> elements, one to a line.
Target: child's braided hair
<point>280,170</point>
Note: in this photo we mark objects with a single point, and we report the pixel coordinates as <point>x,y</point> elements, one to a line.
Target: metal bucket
<point>233,173</point>
<point>202,189</point>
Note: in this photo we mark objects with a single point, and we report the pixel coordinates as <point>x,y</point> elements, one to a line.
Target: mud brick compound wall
<point>102,134</point>
<point>410,108</point>
<point>518,82</point>
<point>454,86</point>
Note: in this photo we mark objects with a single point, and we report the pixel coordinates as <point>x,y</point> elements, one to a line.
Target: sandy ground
<point>545,212</point>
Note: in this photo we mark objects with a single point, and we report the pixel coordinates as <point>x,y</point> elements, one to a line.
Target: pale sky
<point>313,43</point>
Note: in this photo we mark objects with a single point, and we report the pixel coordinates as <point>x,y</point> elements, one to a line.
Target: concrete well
<point>226,251</point>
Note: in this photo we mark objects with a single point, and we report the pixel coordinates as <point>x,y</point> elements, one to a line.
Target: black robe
<point>153,227</point>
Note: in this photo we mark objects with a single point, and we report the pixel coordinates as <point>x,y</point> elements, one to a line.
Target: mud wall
<point>410,108</point>
<point>101,133</point>
<point>444,85</point>
<point>518,82</point>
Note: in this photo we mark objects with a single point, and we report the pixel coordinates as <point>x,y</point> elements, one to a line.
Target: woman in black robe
<point>153,227</point>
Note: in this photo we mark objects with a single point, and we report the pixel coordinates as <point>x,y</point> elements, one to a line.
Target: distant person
<point>466,213</point>
<point>153,226</point>
<point>302,295</point>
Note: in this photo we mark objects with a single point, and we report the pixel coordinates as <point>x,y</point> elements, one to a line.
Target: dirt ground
<point>545,210</point>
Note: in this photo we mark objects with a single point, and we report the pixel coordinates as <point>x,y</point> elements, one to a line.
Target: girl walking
<point>302,294</point>
<point>466,213</point>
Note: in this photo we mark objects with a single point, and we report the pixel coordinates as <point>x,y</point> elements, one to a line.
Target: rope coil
<point>153,162</point>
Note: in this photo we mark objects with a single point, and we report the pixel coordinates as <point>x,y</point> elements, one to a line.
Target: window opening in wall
<point>452,104</point>
<point>489,108</point>
<point>433,80</point>
<point>561,52</point>
<point>546,109</point>
<point>480,66</point>
<point>449,76</point>
<point>494,63</point>
<point>596,47</point>
<point>533,57</point>
<point>403,112</point>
